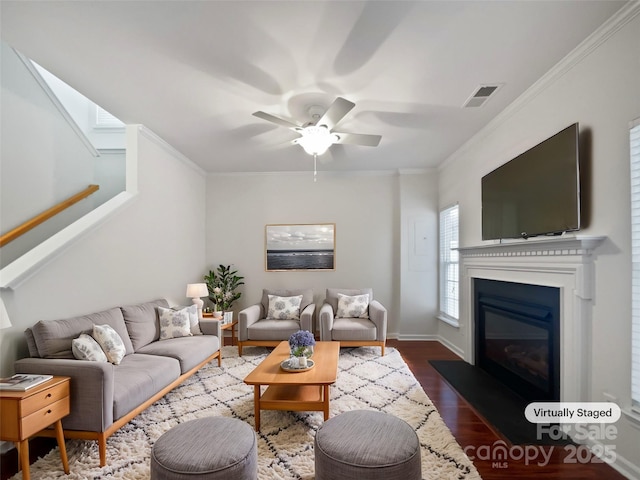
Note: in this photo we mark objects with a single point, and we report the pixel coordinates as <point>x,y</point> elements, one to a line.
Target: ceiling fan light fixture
<point>316,140</point>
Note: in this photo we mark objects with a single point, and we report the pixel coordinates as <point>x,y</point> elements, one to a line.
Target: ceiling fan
<point>318,135</point>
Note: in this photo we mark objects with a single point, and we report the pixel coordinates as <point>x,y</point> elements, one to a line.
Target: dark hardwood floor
<point>469,429</point>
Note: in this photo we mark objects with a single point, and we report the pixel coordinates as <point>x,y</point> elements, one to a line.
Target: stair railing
<point>46,215</point>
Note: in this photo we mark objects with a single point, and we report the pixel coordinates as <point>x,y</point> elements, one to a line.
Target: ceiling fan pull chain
<point>315,170</point>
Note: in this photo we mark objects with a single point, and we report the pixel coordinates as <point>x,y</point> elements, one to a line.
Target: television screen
<point>536,193</point>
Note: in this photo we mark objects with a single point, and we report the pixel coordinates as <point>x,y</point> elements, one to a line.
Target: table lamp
<point>195,291</point>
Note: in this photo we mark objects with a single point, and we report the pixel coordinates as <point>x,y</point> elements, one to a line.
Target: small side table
<point>232,327</point>
<point>226,326</point>
<point>24,414</point>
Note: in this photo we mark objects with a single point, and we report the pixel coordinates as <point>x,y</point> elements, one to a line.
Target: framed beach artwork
<point>300,247</point>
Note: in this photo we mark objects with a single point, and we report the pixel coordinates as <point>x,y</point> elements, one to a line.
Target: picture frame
<point>300,247</point>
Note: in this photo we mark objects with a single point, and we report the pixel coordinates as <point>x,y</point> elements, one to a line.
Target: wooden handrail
<point>46,215</point>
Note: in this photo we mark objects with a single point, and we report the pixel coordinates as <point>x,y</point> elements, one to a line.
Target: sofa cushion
<point>85,347</point>
<point>353,329</point>
<point>307,297</point>
<point>284,308</point>
<point>31,343</point>
<point>53,337</point>
<point>138,377</point>
<point>194,320</point>
<point>110,342</point>
<point>173,323</point>
<point>332,295</point>
<point>142,322</point>
<point>355,306</point>
<point>272,329</point>
<point>189,351</point>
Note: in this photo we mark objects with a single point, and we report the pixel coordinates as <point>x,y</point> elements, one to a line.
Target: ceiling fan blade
<point>336,112</point>
<point>277,120</point>
<point>358,139</point>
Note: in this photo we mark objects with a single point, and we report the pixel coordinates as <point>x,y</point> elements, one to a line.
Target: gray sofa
<point>104,396</point>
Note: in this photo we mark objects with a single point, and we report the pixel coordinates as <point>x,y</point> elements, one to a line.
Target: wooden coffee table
<point>295,391</point>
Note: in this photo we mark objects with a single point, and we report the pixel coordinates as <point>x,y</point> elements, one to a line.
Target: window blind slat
<point>635,264</point>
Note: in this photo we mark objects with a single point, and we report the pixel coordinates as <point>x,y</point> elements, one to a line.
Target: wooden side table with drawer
<point>24,414</point>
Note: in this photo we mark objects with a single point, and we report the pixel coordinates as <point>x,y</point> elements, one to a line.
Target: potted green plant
<point>222,284</point>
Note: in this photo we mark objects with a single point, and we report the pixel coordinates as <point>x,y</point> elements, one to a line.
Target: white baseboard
<point>416,337</point>
<point>457,350</point>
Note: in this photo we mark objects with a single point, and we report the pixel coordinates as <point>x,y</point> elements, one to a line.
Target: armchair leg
<point>239,348</point>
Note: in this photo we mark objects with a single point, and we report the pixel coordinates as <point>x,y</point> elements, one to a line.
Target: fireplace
<point>566,263</point>
<point>518,336</point>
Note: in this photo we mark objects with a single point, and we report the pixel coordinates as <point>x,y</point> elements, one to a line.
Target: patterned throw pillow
<point>111,343</point>
<point>174,324</point>
<point>284,308</point>
<point>86,348</point>
<point>353,307</point>
<point>194,321</point>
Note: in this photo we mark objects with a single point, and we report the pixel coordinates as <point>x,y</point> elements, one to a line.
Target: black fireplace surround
<point>517,336</point>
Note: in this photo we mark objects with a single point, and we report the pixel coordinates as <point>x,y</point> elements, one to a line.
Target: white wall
<point>418,287</point>
<point>602,92</point>
<point>365,209</point>
<point>149,250</point>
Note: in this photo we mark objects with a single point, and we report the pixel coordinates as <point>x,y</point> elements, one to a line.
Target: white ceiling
<point>194,71</point>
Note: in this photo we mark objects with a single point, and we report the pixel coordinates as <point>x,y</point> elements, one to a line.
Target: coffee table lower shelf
<point>293,398</point>
<point>298,398</point>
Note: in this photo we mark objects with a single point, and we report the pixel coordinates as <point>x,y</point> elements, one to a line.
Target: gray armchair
<point>255,329</point>
<point>349,331</point>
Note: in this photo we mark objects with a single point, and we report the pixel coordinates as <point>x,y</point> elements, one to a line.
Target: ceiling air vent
<point>481,95</point>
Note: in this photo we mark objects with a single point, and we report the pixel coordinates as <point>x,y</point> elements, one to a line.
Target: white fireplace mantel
<point>565,262</point>
<point>553,246</point>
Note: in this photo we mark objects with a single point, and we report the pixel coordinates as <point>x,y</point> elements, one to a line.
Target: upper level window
<point>449,271</point>
<point>105,120</point>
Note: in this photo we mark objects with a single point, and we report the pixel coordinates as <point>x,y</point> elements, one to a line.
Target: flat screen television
<point>536,193</point>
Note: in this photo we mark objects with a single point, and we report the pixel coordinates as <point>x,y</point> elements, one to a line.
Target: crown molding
<point>308,173</point>
<point>583,50</point>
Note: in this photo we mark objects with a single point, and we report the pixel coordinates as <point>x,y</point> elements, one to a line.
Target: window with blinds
<point>635,264</point>
<point>449,277</point>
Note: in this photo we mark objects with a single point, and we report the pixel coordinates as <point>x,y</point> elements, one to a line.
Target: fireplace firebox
<point>518,336</point>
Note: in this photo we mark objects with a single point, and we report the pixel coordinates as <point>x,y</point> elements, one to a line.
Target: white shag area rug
<point>285,444</point>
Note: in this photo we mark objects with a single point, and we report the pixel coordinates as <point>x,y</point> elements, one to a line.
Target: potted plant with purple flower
<point>301,347</point>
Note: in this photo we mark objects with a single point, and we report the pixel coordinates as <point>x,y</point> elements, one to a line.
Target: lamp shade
<point>197,290</point>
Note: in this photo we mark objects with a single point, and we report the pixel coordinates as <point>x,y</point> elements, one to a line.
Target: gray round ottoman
<point>206,448</point>
<point>369,445</point>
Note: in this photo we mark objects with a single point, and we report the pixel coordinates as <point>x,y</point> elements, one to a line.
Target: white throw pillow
<point>86,348</point>
<point>174,324</point>
<point>111,343</point>
<point>194,321</point>
<point>356,306</point>
<point>284,308</point>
